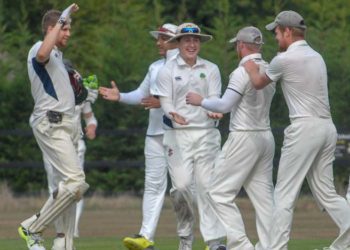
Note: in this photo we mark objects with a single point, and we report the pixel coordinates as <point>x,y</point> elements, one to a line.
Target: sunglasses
<point>190,30</point>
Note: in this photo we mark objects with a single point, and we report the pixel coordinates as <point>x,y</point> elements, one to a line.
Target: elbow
<point>41,57</point>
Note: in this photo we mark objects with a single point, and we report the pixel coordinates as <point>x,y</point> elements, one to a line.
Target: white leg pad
<point>66,194</point>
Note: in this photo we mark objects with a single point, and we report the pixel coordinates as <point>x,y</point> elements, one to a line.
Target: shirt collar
<point>296,44</point>
<point>181,61</point>
<point>250,57</point>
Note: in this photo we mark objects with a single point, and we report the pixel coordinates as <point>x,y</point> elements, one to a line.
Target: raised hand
<point>112,94</point>
<point>67,12</point>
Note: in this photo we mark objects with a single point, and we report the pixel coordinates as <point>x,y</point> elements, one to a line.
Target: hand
<point>90,131</point>
<point>194,99</point>
<point>215,116</point>
<point>92,95</point>
<point>111,94</point>
<point>250,66</point>
<point>67,12</point>
<point>178,118</point>
<point>150,102</point>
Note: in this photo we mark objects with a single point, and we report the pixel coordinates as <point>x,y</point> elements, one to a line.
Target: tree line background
<point>111,39</point>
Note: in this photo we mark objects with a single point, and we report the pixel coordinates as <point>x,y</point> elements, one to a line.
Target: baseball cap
<point>190,29</point>
<point>167,29</point>
<point>248,34</point>
<point>288,18</point>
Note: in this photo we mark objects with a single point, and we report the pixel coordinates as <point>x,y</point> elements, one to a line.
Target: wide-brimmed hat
<point>166,29</point>
<point>190,29</point>
<point>287,18</point>
<point>248,34</point>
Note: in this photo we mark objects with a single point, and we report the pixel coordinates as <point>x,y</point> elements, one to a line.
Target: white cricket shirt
<point>253,111</point>
<point>304,80</point>
<point>177,78</point>
<point>50,85</point>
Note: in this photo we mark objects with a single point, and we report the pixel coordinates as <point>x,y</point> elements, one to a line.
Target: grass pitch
<point>111,243</point>
<point>106,221</point>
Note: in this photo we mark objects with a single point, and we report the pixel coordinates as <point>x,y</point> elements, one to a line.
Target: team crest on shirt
<point>202,75</point>
<point>178,78</point>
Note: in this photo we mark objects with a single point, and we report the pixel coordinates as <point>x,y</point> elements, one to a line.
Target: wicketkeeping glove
<point>80,92</point>
<point>92,95</point>
<point>91,83</point>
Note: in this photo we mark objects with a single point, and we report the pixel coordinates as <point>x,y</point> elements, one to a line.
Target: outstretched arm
<point>227,103</point>
<point>111,94</point>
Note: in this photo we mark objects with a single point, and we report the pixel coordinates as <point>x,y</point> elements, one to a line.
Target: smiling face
<point>189,47</point>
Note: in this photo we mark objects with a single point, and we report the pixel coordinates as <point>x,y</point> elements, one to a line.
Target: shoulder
<point>157,63</point>
<point>34,49</point>
<point>207,63</point>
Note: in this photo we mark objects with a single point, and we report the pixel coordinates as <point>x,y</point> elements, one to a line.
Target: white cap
<point>190,29</point>
<point>166,29</point>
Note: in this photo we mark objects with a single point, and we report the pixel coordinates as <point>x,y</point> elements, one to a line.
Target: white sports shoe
<point>34,240</point>
<point>186,243</point>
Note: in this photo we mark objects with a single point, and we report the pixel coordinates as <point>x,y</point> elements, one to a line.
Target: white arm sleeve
<point>228,102</point>
<point>133,97</point>
<point>167,106</point>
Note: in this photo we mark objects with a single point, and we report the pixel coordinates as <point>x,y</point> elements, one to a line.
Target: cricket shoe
<point>138,242</point>
<point>34,240</point>
<point>220,247</point>
<point>186,242</point>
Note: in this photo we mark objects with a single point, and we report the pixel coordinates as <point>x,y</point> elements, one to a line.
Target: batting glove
<point>65,16</point>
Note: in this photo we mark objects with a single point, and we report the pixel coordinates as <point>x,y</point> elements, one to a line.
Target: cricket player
<point>247,155</point>
<point>53,124</point>
<point>156,164</point>
<point>67,225</point>
<point>310,139</point>
<point>191,137</point>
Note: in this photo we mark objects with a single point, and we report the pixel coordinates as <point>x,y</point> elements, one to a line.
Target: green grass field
<point>106,221</point>
<point>111,243</point>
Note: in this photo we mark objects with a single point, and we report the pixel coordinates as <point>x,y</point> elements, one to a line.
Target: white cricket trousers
<point>58,145</point>
<point>191,154</point>
<point>246,160</point>
<point>155,185</point>
<point>308,151</point>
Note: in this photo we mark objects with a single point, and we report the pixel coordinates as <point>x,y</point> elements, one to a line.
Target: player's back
<point>253,110</point>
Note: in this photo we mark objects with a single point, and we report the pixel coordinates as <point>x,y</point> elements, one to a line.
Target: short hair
<point>296,32</point>
<point>253,46</point>
<point>50,18</point>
